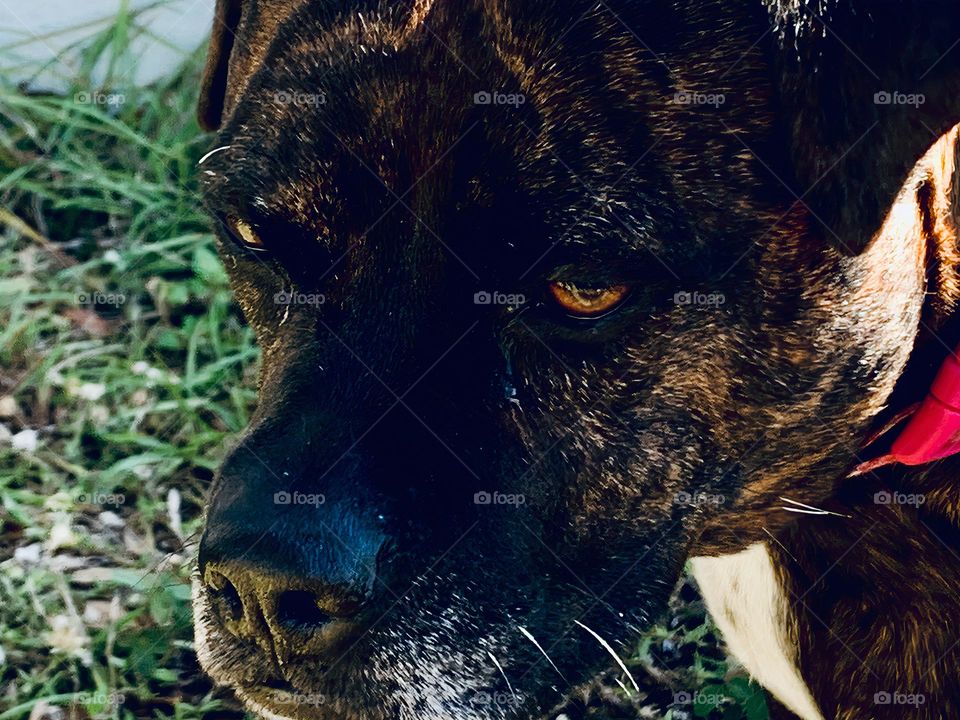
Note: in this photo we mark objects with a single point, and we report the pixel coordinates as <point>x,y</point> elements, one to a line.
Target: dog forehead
<point>350,130</point>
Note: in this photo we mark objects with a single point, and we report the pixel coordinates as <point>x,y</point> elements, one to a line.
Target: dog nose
<point>281,614</point>
<point>291,569</point>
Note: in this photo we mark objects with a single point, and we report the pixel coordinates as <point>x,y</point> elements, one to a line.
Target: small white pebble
<point>91,391</point>
<point>25,440</point>
<point>140,367</point>
<point>110,519</point>
<point>99,613</point>
<point>112,256</point>
<point>8,406</point>
<point>62,563</point>
<point>27,554</point>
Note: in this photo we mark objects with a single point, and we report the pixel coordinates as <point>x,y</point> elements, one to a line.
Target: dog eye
<point>587,302</point>
<point>245,234</point>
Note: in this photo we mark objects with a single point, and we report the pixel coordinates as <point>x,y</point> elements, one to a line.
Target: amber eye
<point>587,302</point>
<point>243,232</point>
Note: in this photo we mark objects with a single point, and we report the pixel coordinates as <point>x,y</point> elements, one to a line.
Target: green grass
<point>124,370</point>
<point>121,348</point>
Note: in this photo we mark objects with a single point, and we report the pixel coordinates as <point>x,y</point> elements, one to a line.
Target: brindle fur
<point>398,198</point>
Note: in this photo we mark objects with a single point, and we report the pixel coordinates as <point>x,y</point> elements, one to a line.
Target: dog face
<point>547,297</point>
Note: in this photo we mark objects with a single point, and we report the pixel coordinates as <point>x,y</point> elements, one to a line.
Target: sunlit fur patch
<point>870,307</point>
<point>942,194</point>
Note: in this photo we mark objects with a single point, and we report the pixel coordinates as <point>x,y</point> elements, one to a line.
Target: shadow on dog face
<point>543,307</point>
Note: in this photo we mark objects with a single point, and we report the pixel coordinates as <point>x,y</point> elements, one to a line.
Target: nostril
<point>225,591</point>
<point>232,601</point>
<point>299,610</point>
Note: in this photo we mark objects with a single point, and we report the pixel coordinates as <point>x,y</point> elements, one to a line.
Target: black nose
<point>292,577</point>
<point>283,614</point>
<point>287,562</point>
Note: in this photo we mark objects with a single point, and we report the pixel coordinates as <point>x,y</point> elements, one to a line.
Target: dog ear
<point>866,87</point>
<point>213,85</point>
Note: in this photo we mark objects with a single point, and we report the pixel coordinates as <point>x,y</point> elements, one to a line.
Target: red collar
<point>933,431</point>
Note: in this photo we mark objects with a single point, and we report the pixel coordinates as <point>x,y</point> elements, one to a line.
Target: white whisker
<point>797,502</point>
<point>500,668</point>
<point>811,512</point>
<point>606,646</point>
<point>781,545</point>
<point>810,509</point>
<point>202,160</point>
<point>526,633</point>
<point>625,689</point>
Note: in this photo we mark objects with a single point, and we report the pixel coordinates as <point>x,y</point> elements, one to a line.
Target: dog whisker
<point>797,503</point>
<point>807,509</point>
<point>206,157</point>
<point>606,646</point>
<point>527,634</point>
<point>782,546</point>
<point>506,679</point>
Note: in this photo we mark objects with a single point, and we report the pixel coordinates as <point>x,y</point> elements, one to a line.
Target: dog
<point>553,296</point>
